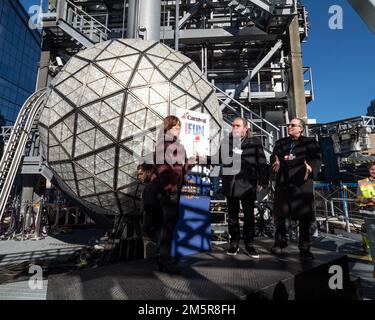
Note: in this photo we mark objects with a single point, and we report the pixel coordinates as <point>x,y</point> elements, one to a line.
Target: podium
<point>193,230</point>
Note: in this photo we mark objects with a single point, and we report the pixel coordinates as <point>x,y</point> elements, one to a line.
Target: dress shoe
<point>306,254</point>
<point>233,249</point>
<point>276,250</point>
<point>251,251</point>
<point>168,267</point>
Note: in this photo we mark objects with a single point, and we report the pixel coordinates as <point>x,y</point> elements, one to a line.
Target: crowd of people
<point>294,164</point>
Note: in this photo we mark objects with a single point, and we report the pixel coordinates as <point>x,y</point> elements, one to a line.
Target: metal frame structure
<point>348,146</point>
<point>235,43</point>
<point>243,47</point>
<point>344,125</point>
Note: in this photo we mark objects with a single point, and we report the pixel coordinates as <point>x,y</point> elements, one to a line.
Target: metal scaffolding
<point>246,49</point>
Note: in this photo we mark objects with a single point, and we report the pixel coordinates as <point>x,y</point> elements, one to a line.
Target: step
<point>239,7</point>
<point>233,3</point>
<point>247,11</point>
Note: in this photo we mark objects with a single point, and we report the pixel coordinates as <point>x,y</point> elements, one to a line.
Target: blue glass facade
<point>371,109</point>
<point>19,58</point>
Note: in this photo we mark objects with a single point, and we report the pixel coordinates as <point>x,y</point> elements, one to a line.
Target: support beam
<point>297,98</point>
<point>149,18</point>
<point>45,57</point>
<point>177,28</point>
<point>189,14</point>
<point>217,35</point>
<point>263,5</point>
<point>259,66</point>
<point>246,80</point>
<point>131,19</point>
<point>143,19</point>
<point>366,9</point>
<point>287,7</point>
<point>68,29</point>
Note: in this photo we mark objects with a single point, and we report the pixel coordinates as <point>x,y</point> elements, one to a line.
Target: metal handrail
<point>5,131</point>
<point>13,134</point>
<point>89,26</point>
<point>252,122</point>
<point>246,70</point>
<point>345,211</point>
<point>307,72</point>
<point>332,199</point>
<point>86,14</point>
<point>89,22</point>
<point>80,20</point>
<point>14,149</point>
<point>248,110</point>
<point>368,121</point>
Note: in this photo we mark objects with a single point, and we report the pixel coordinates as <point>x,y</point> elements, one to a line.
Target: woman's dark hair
<point>370,165</point>
<point>169,123</point>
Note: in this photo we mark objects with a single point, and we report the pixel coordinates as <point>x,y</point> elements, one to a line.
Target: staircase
<point>267,132</point>
<point>66,20</point>
<point>267,15</point>
<point>15,146</point>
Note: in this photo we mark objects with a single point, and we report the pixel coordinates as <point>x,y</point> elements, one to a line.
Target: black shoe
<point>276,250</point>
<point>168,267</point>
<point>306,254</point>
<point>233,249</point>
<point>251,251</point>
<point>282,244</point>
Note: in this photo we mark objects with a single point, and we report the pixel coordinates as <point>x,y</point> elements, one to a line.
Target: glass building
<point>19,58</point>
<point>371,109</point>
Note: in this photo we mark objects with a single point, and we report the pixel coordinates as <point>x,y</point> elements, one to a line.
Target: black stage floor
<point>211,275</point>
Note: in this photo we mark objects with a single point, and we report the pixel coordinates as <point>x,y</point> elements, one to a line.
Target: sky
<point>28,3</point>
<point>342,61</point>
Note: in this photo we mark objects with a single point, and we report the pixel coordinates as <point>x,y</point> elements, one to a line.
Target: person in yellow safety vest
<point>366,200</point>
<point>366,190</point>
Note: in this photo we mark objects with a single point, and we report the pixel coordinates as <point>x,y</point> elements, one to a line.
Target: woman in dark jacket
<point>169,174</point>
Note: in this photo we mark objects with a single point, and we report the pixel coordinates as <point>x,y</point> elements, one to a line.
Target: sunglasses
<point>293,125</point>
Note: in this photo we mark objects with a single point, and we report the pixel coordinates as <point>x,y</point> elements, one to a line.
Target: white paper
<point>195,132</point>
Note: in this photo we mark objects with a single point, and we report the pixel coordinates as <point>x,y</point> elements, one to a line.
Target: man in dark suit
<point>296,161</point>
<point>245,172</point>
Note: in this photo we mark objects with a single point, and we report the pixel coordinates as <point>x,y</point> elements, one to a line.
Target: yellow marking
<point>365,258</point>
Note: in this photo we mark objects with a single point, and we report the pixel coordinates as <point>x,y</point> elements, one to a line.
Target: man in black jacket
<point>296,160</point>
<point>244,173</point>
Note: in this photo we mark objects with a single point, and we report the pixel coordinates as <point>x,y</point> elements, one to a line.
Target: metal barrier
<point>39,219</point>
<point>337,205</point>
<point>264,225</point>
<point>66,211</point>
